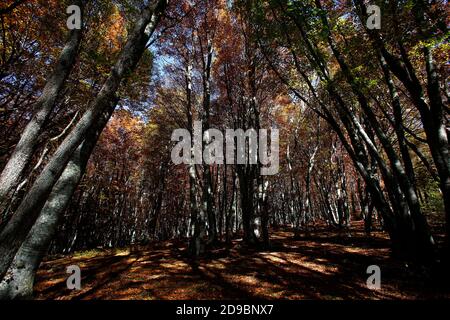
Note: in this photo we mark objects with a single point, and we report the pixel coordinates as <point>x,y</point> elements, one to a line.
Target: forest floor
<point>324,265</point>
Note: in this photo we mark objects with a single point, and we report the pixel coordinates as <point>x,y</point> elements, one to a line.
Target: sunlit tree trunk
<point>433,112</point>
<point>23,152</point>
<point>20,224</point>
<point>19,279</point>
<point>207,197</point>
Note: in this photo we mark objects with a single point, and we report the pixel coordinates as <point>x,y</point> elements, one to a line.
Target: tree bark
<point>13,170</point>
<point>18,227</point>
<point>19,279</point>
<point>432,112</point>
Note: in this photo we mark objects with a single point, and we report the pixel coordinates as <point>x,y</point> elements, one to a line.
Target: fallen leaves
<point>322,266</point>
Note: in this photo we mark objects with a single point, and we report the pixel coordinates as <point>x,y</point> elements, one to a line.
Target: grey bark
<point>13,170</point>
<point>412,221</point>
<point>207,201</point>
<point>432,113</point>
<point>10,8</point>
<point>19,279</point>
<point>18,227</point>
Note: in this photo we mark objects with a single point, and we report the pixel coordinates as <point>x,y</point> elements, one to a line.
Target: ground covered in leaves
<point>324,265</point>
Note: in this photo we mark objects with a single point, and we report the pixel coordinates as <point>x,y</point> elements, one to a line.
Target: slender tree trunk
<point>21,222</point>
<point>264,212</point>
<point>207,196</point>
<point>246,187</point>
<point>21,156</point>
<point>18,281</point>
<point>412,219</point>
<point>231,212</point>
<point>433,113</point>
<point>159,199</point>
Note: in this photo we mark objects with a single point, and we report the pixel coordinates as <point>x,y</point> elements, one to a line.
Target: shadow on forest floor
<point>324,265</point>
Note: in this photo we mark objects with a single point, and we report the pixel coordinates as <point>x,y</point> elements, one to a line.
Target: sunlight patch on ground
<point>321,266</point>
<point>122,253</point>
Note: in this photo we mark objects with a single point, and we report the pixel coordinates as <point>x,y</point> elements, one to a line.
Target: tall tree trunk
<point>432,112</point>
<point>207,197</point>
<point>19,279</point>
<point>154,222</point>
<point>246,187</point>
<point>21,156</point>
<point>264,210</point>
<point>412,220</point>
<point>21,222</point>
<point>197,231</point>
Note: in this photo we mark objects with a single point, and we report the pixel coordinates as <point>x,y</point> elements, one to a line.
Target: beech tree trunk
<point>432,112</point>
<point>20,224</point>
<point>19,279</point>
<point>13,170</point>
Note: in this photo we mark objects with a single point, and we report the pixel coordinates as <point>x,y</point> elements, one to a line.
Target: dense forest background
<point>87,117</point>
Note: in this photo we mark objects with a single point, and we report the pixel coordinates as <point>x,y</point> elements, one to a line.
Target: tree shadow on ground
<point>324,265</point>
